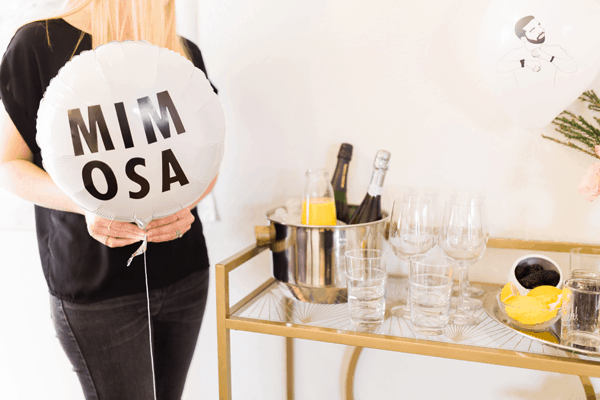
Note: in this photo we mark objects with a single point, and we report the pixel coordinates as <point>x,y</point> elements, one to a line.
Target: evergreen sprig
<point>575,127</point>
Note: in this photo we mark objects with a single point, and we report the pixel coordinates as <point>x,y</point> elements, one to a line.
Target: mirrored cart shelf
<point>272,305</point>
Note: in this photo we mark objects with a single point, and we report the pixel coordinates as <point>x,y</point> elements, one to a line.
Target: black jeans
<point>108,344</point>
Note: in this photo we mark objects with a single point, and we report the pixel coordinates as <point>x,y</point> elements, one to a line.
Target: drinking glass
<point>585,258</point>
<point>411,232</point>
<point>585,273</point>
<point>430,281</point>
<point>463,237</point>
<point>580,324</point>
<point>366,277</point>
<point>472,290</point>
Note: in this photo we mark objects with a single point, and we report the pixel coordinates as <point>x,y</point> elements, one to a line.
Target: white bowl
<point>545,262</point>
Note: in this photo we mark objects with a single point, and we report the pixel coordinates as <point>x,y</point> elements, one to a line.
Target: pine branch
<point>577,128</point>
<point>571,145</point>
<point>591,97</point>
<point>573,130</point>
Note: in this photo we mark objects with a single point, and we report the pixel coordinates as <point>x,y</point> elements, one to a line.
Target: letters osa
<point>97,124</point>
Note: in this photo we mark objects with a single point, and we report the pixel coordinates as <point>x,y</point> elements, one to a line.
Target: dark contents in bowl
<point>534,275</point>
<point>524,269</point>
<point>533,280</point>
<point>521,271</point>
<point>551,277</point>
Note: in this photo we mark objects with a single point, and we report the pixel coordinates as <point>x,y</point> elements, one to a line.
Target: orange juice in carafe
<point>318,204</point>
<point>320,211</point>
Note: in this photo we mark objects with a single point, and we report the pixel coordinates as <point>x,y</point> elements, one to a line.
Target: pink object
<point>590,183</point>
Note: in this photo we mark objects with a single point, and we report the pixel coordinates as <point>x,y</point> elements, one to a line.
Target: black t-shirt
<point>77,267</point>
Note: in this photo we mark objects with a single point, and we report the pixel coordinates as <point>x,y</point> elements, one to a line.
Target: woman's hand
<point>171,227</point>
<point>112,233</point>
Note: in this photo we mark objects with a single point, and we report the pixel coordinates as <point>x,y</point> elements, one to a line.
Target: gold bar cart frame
<point>226,322</point>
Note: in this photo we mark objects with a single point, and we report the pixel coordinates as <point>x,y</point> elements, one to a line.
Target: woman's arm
<point>20,176</point>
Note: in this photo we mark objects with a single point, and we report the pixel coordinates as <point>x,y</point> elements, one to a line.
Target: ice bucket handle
<point>264,234</point>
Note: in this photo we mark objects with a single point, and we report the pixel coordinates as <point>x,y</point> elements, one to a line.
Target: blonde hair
<point>149,20</point>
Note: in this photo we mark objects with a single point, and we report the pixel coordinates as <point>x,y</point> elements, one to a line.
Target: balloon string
<point>149,324</point>
<point>140,250</point>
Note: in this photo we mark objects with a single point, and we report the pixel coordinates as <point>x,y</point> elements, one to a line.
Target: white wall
<point>296,79</point>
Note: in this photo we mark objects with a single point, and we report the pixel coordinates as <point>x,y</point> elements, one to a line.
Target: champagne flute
<point>411,232</point>
<point>437,208</point>
<point>472,290</point>
<point>463,237</point>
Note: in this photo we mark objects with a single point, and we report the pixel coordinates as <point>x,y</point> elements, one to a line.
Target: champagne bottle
<point>339,182</point>
<point>370,208</point>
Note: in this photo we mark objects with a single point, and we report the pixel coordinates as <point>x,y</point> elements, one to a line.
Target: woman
<point>98,304</point>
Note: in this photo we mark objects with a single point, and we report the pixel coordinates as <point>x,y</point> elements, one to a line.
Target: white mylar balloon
<point>131,131</point>
<point>538,56</point>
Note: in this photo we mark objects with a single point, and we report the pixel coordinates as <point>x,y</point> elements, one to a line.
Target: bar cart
<point>491,342</point>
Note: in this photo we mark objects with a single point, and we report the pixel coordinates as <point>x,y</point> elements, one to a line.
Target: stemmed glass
<point>436,207</point>
<point>411,232</point>
<point>472,290</point>
<point>463,237</point>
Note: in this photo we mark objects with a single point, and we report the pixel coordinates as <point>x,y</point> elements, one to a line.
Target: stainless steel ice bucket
<point>309,261</point>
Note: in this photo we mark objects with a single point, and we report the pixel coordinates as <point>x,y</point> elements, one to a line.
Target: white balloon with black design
<point>538,56</point>
<point>131,131</point>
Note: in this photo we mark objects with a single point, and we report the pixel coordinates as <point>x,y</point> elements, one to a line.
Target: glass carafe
<point>318,204</point>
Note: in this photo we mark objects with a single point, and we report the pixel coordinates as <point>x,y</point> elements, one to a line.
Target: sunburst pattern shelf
<point>272,305</point>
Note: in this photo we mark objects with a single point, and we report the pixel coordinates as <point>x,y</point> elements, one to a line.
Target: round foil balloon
<point>131,131</point>
<point>538,56</point>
